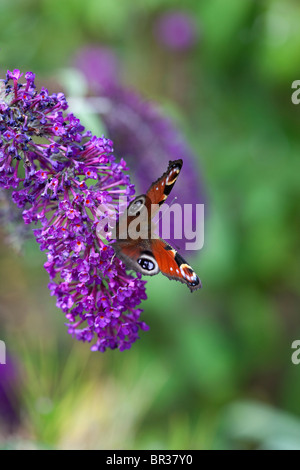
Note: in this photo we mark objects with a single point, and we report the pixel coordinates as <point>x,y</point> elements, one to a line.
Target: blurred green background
<point>215,369</point>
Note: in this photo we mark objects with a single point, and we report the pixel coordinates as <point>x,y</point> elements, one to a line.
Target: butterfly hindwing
<point>172,265</point>
<point>151,256</point>
<point>137,255</point>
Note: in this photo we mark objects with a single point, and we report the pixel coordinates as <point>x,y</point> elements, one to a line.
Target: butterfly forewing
<point>160,189</point>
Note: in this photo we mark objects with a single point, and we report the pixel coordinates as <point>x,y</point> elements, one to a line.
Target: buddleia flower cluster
<point>58,175</point>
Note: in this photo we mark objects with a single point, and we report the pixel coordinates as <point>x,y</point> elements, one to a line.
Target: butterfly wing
<point>172,265</point>
<point>148,204</point>
<point>137,255</point>
<point>161,188</point>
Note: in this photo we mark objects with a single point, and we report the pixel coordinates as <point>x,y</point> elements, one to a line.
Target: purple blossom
<point>176,30</point>
<point>46,161</point>
<point>101,66</point>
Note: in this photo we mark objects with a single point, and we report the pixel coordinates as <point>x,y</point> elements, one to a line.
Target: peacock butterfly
<point>139,248</point>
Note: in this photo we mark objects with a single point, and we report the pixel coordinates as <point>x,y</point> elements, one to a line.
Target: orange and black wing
<point>161,188</point>
<point>172,265</point>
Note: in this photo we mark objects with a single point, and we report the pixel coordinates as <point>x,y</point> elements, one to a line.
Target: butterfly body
<point>137,245</point>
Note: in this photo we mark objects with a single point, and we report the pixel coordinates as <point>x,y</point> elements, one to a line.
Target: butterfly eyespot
<point>136,206</point>
<point>146,264</point>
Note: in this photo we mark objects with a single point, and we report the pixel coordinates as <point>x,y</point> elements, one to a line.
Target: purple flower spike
<point>176,30</point>
<point>59,175</point>
<point>100,66</point>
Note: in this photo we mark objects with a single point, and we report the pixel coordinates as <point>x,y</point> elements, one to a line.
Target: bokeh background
<point>215,369</point>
